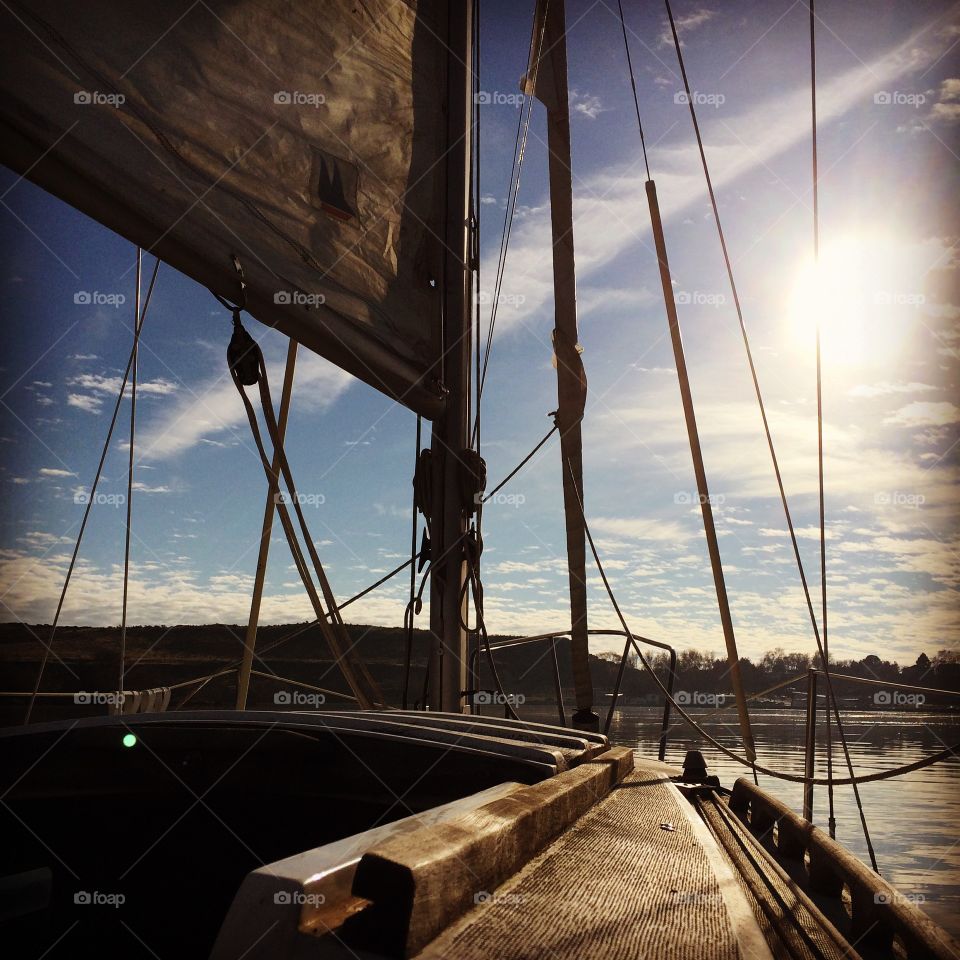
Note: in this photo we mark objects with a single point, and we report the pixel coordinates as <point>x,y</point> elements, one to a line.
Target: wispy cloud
<point>586,104</point>
<point>85,402</point>
<point>610,208</point>
<point>685,24</point>
<point>214,408</point>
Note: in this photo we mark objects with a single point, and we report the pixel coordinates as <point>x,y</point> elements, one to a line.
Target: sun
<point>862,292</point>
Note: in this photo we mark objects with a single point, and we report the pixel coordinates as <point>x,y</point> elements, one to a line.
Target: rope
<point>633,85</point>
<point>953,751</point>
<point>521,464</point>
<point>519,151</point>
<point>367,698</point>
<point>793,538</point>
<point>475,218</point>
<point>373,690</point>
<point>476,589</point>
<point>133,426</point>
<point>408,628</point>
<point>86,511</point>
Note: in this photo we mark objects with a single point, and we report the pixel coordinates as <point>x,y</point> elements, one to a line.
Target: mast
<point>547,80</point>
<point>450,433</point>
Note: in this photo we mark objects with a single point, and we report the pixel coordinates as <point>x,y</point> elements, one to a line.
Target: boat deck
<point>636,876</point>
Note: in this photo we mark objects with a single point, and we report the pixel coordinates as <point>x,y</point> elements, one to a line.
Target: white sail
<point>305,139</point>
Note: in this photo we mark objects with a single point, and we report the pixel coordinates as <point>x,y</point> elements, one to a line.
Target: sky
<point>886,294</point>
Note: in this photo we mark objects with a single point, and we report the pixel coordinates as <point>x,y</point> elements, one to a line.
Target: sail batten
<point>303,140</point>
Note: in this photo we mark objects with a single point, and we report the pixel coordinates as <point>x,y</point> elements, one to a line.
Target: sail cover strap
<point>314,132</point>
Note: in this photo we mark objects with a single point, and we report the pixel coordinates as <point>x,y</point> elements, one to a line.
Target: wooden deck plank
<point>616,884</point>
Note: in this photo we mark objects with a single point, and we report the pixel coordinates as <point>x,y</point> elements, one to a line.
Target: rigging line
<point>408,650</point>
<point>475,239</point>
<point>355,661</point>
<point>346,667</point>
<point>351,664</point>
<point>86,511</point>
<point>751,762</point>
<point>476,588</point>
<point>633,85</point>
<point>133,430</point>
<point>831,819</point>
<point>379,583</point>
<point>816,632</point>
<point>946,754</point>
<point>521,464</point>
<point>518,156</point>
<point>290,636</point>
<point>523,126</point>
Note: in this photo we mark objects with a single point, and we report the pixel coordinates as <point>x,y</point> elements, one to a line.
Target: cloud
<point>111,385</point>
<point>55,472</point>
<point>145,488</point>
<point>685,24</point>
<point>160,592</point>
<point>610,207</point>
<point>85,402</point>
<point>214,407</point>
<point>586,104</point>
<point>922,413</point>
<point>947,108</point>
<point>641,529</point>
<point>885,388</point>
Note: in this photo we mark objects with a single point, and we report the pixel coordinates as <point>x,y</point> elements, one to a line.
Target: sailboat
<point>314,166</point>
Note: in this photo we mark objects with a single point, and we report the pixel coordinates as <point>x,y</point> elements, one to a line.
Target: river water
<point>914,820</point>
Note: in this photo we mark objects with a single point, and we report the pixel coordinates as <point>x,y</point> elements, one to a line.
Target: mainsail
<point>304,140</point>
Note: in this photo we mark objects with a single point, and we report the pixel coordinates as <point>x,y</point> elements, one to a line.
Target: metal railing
<point>810,724</point>
<point>552,637</point>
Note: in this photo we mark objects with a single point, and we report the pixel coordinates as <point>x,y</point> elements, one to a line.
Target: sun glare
<point>862,294</point>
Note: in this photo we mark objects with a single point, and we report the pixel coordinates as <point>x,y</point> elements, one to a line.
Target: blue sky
<point>888,301</point>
